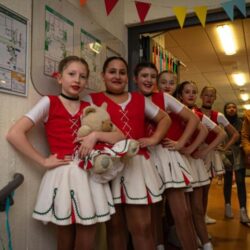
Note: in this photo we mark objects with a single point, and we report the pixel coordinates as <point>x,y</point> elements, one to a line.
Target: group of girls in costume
<point>174,163</point>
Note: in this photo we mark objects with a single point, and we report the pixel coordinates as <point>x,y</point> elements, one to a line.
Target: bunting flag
<point>83,2</point>
<point>201,12</point>
<point>229,9</point>
<point>241,5</point>
<point>109,5</point>
<point>142,9</point>
<point>180,13</point>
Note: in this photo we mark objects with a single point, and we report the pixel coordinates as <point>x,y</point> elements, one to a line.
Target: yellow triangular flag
<point>201,12</point>
<point>180,13</point>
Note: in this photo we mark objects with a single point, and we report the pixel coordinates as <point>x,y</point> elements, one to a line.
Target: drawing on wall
<point>90,51</point>
<point>59,40</point>
<point>13,47</point>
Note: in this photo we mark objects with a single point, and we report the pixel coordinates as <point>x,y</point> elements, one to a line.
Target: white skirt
<point>173,169</point>
<point>137,183</point>
<point>199,172</point>
<point>68,195</point>
<point>214,164</point>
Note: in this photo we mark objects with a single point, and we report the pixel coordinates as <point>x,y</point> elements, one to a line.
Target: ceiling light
<point>239,79</point>
<point>227,39</point>
<point>246,106</point>
<point>244,96</point>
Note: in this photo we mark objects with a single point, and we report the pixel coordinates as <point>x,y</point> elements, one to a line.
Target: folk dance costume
<point>67,193</point>
<point>138,182</point>
<point>200,174</point>
<point>171,165</point>
<point>213,160</point>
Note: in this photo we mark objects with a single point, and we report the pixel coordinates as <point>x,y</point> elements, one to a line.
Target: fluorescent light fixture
<point>96,47</point>
<point>244,96</point>
<point>246,106</point>
<point>239,79</point>
<point>227,39</point>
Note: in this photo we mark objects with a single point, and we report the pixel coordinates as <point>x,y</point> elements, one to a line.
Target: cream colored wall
<point>27,233</point>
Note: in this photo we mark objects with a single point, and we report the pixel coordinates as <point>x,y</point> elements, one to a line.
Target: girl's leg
<point>241,186</point>
<point>205,190</point>
<point>228,178</point>
<point>85,237</point>
<point>182,218</point>
<point>117,230</point>
<point>66,237</point>
<point>198,214</point>
<point>140,226</point>
<point>157,225</point>
<point>228,181</point>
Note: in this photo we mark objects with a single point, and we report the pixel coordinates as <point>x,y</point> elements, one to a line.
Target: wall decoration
<point>13,47</point>
<point>90,49</point>
<point>59,41</point>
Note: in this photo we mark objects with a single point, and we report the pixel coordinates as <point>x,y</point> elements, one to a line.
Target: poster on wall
<point>13,52</point>
<point>59,40</point>
<point>90,51</point>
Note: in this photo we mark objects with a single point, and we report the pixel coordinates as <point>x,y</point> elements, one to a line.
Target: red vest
<point>214,117</point>
<point>177,126</point>
<point>130,121</point>
<point>61,127</point>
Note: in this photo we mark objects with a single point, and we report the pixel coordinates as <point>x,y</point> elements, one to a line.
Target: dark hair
<point>112,58</point>
<point>181,86</point>
<point>69,59</point>
<point>225,108</point>
<point>208,87</point>
<point>232,119</point>
<point>143,65</point>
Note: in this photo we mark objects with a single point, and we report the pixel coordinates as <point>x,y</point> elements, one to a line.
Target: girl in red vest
<point>68,197</point>
<point>138,185</point>
<point>213,160</point>
<point>187,93</point>
<point>174,171</point>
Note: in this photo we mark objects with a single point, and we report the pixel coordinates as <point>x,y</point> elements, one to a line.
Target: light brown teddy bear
<point>100,161</point>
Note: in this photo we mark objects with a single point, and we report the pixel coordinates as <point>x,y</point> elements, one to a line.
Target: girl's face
<point>231,109</point>
<point>73,78</point>
<point>146,80</point>
<point>166,83</point>
<point>115,76</point>
<point>189,94</point>
<point>208,97</point>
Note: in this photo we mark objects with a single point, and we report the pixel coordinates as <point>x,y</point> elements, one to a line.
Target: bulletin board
<point>59,29</point>
<point>13,47</point>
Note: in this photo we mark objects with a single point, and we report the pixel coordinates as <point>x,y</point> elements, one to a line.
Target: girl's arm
<point>221,135</point>
<point>17,136</point>
<point>163,123</point>
<point>234,136</point>
<point>191,121</point>
<point>88,142</point>
<point>202,134</point>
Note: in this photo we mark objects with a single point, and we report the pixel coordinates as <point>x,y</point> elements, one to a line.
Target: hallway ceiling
<point>206,64</point>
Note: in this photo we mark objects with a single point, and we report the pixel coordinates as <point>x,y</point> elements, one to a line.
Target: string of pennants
<point>180,11</point>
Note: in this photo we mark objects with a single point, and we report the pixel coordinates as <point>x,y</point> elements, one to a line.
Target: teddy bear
<point>101,158</point>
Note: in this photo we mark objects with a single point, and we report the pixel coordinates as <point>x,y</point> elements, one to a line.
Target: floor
<point>227,234</point>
